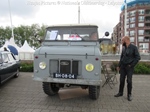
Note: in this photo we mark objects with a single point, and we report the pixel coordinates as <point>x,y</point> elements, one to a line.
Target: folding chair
<point>109,75</point>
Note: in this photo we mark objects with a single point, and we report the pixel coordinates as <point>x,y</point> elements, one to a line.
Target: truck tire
<point>94,92</point>
<point>50,88</point>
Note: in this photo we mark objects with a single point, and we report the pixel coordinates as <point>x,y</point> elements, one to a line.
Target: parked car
<point>9,66</point>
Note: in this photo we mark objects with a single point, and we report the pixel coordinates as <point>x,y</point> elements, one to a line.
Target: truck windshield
<point>71,34</point>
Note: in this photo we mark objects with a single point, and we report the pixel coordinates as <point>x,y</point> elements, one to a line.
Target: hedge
<point>26,67</point>
<point>140,68</point>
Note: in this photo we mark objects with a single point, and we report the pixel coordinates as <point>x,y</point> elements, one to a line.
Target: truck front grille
<point>75,67</point>
<point>64,66</point>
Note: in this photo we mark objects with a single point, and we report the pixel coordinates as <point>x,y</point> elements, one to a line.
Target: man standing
<point>129,58</point>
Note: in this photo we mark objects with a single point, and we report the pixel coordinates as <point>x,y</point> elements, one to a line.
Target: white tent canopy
<point>12,42</point>
<point>24,53</point>
<point>27,53</point>
<point>26,47</point>
<point>5,45</point>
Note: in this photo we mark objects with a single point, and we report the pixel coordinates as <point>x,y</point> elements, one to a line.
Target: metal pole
<point>125,19</point>
<point>78,12</point>
<point>136,37</point>
<point>12,34</point>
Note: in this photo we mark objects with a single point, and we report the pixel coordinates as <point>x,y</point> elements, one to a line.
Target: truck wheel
<point>94,92</point>
<point>50,88</point>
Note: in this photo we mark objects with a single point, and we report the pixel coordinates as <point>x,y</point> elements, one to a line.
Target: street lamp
<point>125,18</point>
<point>12,34</point>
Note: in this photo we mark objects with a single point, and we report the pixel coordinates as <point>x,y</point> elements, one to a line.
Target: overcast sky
<point>104,13</point>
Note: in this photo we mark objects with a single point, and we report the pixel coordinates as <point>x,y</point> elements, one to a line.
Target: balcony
<point>147,19</point>
<point>147,12</point>
<point>132,21</point>
<point>141,40</point>
<point>132,14</point>
<point>132,34</point>
<point>147,25</point>
<point>141,20</point>
<point>147,38</point>
<point>147,33</point>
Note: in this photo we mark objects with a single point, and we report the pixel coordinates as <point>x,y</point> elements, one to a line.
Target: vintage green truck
<point>69,56</point>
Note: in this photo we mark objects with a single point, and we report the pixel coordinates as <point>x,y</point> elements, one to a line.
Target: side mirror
<point>106,33</point>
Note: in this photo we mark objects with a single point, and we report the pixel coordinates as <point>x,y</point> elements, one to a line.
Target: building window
<point>146,3</point>
<point>120,34</point>
<point>127,26</point>
<point>132,19</point>
<point>144,46</point>
<point>140,4</point>
<point>128,14</point>
<point>141,11</point>
<point>132,33</point>
<point>127,21</point>
<point>132,25</point>
<point>141,32</point>
<point>127,33</point>
<point>141,18</point>
<point>141,24</point>
<point>131,39</point>
<point>132,13</point>
<point>140,39</point>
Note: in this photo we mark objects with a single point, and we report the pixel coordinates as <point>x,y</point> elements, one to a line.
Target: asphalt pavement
<point>25,95</point>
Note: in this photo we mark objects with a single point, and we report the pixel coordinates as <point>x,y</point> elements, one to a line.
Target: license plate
<point>64,76</point>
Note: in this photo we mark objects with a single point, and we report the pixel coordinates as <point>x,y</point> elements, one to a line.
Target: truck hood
<point>61,50</point>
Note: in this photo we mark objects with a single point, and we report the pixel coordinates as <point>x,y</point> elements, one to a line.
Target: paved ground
<point>25,95</point>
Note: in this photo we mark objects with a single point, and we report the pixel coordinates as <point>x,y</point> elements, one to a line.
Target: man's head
<point>94,36</point>
<point>125,40</point>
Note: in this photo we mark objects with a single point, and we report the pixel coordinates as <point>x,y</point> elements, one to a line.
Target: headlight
<point>89,67</point>
<point>42,65</point>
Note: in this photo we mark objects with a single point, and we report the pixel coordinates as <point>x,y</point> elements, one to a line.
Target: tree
<point>21,33</point>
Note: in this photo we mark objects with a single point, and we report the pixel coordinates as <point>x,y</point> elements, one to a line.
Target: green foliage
<point>26,67</point>
<point>140,68</point>
<point>23,32</point>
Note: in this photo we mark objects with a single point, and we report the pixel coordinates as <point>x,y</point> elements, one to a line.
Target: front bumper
<point>69,81</point>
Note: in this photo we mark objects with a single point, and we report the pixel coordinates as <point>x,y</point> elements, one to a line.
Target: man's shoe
<point>129,98</point>
<point>118,95</point>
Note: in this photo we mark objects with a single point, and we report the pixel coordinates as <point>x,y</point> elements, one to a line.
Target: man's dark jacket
<point>129,56</point>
